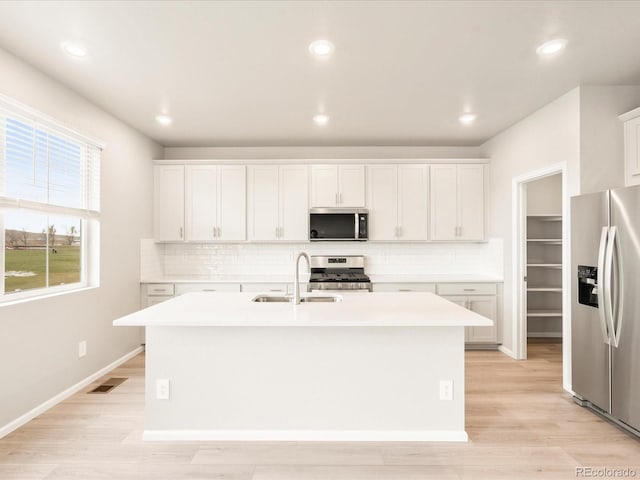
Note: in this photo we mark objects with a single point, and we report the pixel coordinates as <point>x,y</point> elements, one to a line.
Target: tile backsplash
<point>204,260</point>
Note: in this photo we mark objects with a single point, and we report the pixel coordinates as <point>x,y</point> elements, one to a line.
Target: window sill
<point>35,298</point>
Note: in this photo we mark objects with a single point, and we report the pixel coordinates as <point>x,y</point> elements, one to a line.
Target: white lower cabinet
<point>481,298</point>
<point>404,287</point>
<point>154,293</point>
<point>182,288</point>
<point>265,287</point>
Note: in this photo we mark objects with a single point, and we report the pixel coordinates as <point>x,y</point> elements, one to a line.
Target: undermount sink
<point>271,299</point>
<point>330,298</point>
<point>288,298</point>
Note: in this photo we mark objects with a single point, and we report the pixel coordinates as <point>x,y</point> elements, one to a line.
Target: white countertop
<point>375,278</point>
<point>406,309</point>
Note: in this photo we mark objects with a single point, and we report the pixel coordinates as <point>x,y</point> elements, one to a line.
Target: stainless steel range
<point>343,273</point>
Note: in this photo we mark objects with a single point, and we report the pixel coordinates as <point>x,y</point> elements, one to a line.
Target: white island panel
<point>357,384</point>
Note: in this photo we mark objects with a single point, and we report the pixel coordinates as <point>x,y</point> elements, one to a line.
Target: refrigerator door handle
<point>614,323</point>
<point>602,293</point>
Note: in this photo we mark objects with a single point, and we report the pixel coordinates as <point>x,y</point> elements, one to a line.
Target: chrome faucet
<point>296,283</point>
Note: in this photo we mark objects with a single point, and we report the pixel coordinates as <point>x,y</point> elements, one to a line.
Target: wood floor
<point>521,424</point>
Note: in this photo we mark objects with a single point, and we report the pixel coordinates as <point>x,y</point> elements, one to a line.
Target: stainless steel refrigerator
<point>605,315</point>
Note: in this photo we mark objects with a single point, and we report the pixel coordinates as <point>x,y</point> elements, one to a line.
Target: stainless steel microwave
<point>338,224</point>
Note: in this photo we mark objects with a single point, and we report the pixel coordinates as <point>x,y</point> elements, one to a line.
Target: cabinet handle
<point>276,290</point>
<point>404,290</point>
<point>337,201</point>
<point>158,289</point>
<point>460,231</point>
<point>340,196</point>
<point>219,232</point>
<point>276,232</point>
<point>180,232</point>
<point>209,290</point>
<point>469,289</point>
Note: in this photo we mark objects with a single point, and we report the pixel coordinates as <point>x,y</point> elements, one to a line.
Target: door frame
<point>519,265</point>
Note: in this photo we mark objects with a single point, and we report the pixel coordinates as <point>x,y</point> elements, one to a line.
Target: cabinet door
<point>201,201</point>
<point>632,151</point>
<point>382,202</point>
<point>458,300</point>
<point>324,186</point>
<point>470,202</point>
<point>263,202</point>
<point>294,203</point>
<point>413,210</point>
<point>351,186</point>
<point>168,202</point>
<point>232,204</point>
<point>443,202</point>
<point>487,306</point>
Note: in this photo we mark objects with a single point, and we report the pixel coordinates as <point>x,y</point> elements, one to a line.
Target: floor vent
<point>109,385</point>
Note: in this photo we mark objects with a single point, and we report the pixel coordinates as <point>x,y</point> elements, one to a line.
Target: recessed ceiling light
<point>321,119</point>
<point>74,50</point>
<point>321,48</point>
<point>467,118</point>
<point>551,47</point>
<point>164,120</point>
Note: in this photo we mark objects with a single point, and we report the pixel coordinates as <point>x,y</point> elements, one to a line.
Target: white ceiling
<point>239,73</point>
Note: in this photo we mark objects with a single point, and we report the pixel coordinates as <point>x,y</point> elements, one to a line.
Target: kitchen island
<point>370,367</point>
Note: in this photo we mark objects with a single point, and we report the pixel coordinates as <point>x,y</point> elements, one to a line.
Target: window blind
<point>45,168</point>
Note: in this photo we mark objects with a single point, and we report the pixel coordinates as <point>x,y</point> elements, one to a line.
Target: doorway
<point>540,261</point>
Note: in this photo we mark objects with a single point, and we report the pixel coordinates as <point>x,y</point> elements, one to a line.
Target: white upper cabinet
<point>294,203</point>
<point>631,147</point>
<point>413,202</point>
<point>215,203</point>
<point>278,207</point>
<point>168,205</point>
<point>337,185</point>
<point>201,202</point>
<point>382,201</point>
<point>397,198</point>
<point>457,202</point>
<point>232,203</point>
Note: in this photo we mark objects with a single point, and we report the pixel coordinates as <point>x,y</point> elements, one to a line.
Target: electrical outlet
<point>446,389</point>
<point>82,348</point>
<point>162,389</point>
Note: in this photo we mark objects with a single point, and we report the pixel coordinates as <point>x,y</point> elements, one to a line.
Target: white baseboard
<point>307,435</point>
<point>506,351</point>
<point>43,407</point>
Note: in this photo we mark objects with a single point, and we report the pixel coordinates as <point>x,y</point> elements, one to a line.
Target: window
<point>49,205</point>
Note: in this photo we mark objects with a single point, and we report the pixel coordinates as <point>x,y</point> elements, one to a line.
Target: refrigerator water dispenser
<point>588,285</point>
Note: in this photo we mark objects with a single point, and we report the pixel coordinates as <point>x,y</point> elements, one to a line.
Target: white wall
<point>547,137</point>
<point>544,196</point>
<point>39,338</point>
<point>196,153</point>
<point>602,135</point>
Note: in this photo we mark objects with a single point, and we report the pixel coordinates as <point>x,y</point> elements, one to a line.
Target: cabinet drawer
<point>151,300</point>
<point>404,287</point>
<point>183,288</point>
<point>160,289</point>
<point>264,287</point>
<point>467,289</point>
